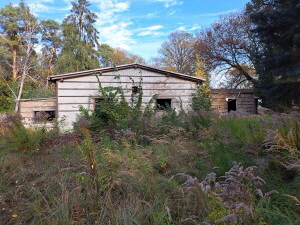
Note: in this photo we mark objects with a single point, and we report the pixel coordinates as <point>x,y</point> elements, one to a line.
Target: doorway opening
<point>231,104</point>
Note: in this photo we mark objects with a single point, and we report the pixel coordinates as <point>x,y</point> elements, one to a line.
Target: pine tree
<point>19,33</point>
<point>80,40</point>
<point>277,25</point>
<point>11,28</point>
<point>51,40</point>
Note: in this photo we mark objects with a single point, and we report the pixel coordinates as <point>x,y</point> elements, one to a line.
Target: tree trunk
<point>15,65</point>
<point>24,73</point>
<point>20,91</point>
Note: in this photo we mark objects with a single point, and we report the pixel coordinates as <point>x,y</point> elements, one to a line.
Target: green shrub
<point>17,138</point>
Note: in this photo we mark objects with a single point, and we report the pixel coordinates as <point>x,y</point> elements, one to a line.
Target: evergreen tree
<point>80,40</point>
<point>277,25</point>
<point>19,34</point>
<point>51,40</point>
<point>11,29</point>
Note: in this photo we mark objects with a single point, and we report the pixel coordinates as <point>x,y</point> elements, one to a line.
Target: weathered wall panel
<point>81,90</point>
<point>28,106</point>
<point>245,100</point>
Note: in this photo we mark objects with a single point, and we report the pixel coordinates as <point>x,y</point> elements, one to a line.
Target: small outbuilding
<point>171,89</point>
<point>82,88</point>
<point>234,100</point>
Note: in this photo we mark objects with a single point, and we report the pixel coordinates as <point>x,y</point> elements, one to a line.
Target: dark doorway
<point>231,105</point>
<point>256,105</point>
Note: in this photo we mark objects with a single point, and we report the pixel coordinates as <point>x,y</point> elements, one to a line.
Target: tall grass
<point>16,138</point>
<point>123,174</point>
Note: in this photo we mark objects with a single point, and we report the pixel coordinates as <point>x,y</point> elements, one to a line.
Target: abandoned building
<point>230,100</point>
<point>172,89</point>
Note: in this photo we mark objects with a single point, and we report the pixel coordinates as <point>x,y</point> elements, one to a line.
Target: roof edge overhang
<point>233,91</point>
<point>122,67</point>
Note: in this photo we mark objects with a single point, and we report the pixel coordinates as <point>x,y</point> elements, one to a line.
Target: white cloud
<point>36,8</point>
<point>151,31</point>
<point>188,27</point>
<point>121,6</point>
<point>195,27</point>
<point>155,27</point>
<point>218,13</point>
<point>113,29</point>
<point>109,9</point>
<point>117,35</point>
<point>172,12</point>
<point>182,28</point>
<point>151,15</point>
<point>169,3</point>
<point>40,1</point>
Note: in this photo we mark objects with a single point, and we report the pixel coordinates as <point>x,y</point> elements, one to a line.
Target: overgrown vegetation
<point>122,167</point>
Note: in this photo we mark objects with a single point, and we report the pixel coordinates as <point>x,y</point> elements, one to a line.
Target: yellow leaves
<point>200,71</point>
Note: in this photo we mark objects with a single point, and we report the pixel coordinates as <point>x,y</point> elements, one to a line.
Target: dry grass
<point>124,176</point>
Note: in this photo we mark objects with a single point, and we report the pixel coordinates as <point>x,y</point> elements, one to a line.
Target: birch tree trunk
<point>15,65</point>
<point>31,28</point>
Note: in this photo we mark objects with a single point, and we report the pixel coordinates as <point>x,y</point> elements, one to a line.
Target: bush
<point>17,138</point>
<point>6,97</point>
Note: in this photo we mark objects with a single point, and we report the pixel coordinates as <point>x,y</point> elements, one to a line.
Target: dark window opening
<point>256,105</point>
<point>231,103</point>
<point>163,104</point>
<point>40,116</point>
<point>102,108</point>
<point>100,103</point>
<point>136,89</point>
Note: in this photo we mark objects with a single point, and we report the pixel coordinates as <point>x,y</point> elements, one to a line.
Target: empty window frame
<point>163,103</point>
<point>98,103</point>
<point>231,104</point>
<point>44,115</point>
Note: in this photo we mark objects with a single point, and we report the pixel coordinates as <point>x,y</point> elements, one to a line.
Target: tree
<point>123,57</point>
<point>51,40</point>
<point>80,40</point>
<point>7,94</point>
<point>11,29</point>
<point>106,53</point>
<point>19,33</point>
<point>177,53</point>
<point>277,26</point>
<point>228,44</point>
<point>117,56</point>
<point>202,99</point>
<point>236,80</point>
<point>29,39</point>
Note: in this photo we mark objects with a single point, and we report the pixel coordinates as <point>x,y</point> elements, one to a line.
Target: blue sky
<point>140,26</point>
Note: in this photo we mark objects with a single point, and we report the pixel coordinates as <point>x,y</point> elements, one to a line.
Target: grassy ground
<point>127,177</point>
